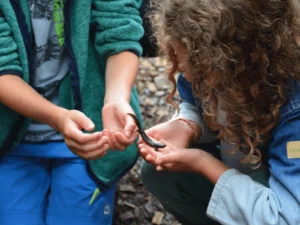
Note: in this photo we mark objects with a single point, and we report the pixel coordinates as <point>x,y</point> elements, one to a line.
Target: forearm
<point>121,72</point>
<point>20,97</point>
<point>210,167</point>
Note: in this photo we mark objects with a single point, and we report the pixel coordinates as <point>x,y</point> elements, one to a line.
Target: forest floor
<point>134,205</point>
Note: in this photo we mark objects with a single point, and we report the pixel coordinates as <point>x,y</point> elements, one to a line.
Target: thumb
<point>83,121</point>
<point>130,126</point>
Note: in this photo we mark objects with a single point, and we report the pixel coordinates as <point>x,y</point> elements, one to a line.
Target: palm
<point>118,126</point>
<point>170,131</point>
<point>113,116</point>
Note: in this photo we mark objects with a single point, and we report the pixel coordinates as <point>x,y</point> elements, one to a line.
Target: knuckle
<point>67,133</point>
<point>81,140</point>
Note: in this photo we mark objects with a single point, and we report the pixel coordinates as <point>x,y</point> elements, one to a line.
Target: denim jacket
<point>237,198</point>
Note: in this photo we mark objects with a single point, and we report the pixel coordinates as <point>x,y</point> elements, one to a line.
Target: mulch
<point>134,205</point>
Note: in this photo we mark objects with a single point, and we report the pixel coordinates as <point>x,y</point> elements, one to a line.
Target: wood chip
<point>126,216</point>
<point>157,218</point>
<point>127,188</point>
<point>136,212</point>
<point>148,198</point>
<point>129,204</point>
<point>149,207</point>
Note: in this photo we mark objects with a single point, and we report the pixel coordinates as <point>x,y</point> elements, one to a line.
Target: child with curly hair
<point>67,73</point>
<point>241,86</point>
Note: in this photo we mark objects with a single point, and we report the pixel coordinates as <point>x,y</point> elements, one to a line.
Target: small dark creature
<point>144,136</point>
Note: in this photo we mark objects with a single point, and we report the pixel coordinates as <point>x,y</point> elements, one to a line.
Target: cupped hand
<point>175,132</point>
<point>71,124</point>
<point>174,159</point>
<point>118,126</point>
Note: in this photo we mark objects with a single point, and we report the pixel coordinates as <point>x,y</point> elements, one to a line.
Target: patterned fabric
<point>47,18</point>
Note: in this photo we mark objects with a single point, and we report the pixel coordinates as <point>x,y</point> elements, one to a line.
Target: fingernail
<point>104,138</point>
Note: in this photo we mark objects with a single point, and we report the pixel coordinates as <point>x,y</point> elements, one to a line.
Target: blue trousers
<point>47,184</point>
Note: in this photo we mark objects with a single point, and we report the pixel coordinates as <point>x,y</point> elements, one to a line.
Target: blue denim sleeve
<point>238,200</point>
<point>185,90</point>
<point>191,109</point>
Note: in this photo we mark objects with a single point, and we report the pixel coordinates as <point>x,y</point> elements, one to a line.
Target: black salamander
<point>146,139</point>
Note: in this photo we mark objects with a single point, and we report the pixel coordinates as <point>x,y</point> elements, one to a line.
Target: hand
<point>167,131</point>
<point>175,159</point>
<point>118,126</point>
<point>86,145</point>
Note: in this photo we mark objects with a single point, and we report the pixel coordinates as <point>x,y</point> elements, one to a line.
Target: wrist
<point>115,101</point>
<point>117,97</point>
<point>210,167</point>
<point>56,116</point>
<point>193,129</point>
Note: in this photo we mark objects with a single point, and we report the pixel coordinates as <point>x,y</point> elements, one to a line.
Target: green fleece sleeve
<point>118,26</point>
<point>9,57</point>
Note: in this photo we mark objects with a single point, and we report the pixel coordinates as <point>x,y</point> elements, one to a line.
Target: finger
<point>149,158</point>
<point>169,167</point>
<point>82,148</point>
<point>150,152</point>
<point>95,145</point>
<point>160,168</point>
<point>153,152</point>
<point>97,154</point>
<point>113,142</point>
<point>130,126</point>
<point>79,137</point>
<point>124,140</point>
<point>168,158</point>
<point>83,121</point>
<point>107,133</point>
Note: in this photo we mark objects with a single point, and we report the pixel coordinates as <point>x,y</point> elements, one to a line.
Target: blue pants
<point>47,184</point>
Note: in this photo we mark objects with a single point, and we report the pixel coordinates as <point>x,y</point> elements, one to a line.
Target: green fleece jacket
<point>98,29</point>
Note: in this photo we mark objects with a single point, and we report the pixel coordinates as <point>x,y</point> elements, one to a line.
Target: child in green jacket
<point>67,70</point>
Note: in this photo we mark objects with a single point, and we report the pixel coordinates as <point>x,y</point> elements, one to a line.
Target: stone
<point>161,82</point>
<point>152,87</point>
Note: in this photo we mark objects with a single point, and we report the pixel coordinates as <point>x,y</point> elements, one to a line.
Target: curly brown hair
<point>240,54</point>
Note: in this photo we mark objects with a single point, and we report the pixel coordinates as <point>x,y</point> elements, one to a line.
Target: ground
<point>134,205</point>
